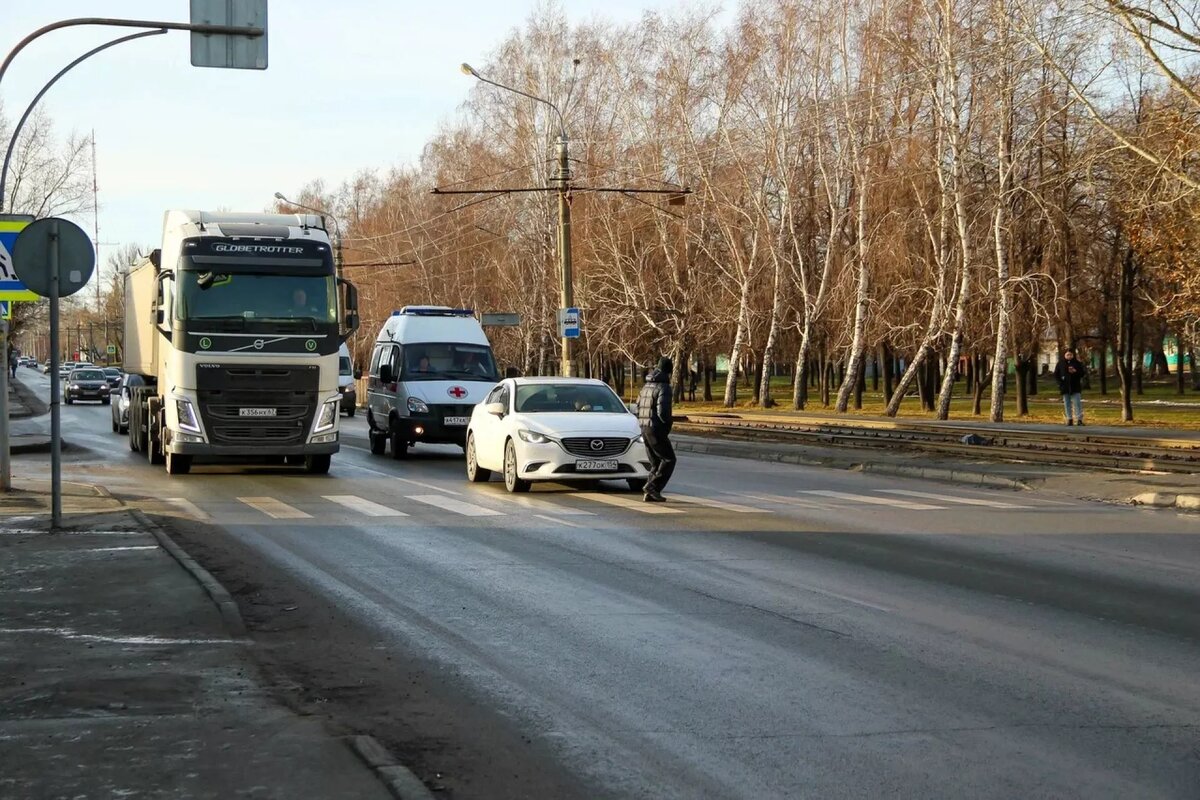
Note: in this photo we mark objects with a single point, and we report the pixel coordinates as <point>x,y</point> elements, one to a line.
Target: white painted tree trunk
<point>801,370</point>
<point>768,357</point>
<point>735,353</point>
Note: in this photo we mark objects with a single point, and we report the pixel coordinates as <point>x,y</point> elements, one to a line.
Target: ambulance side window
<point>374,371</point>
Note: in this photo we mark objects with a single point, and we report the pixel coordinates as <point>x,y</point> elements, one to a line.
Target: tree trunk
<point>1180,385</point>
<point>885,362</point>
<point>1125,333</point>
<point>799,383</point>
<point>982,378</point>
<point>1022,385</point>
<point>709,371</point>
<point>735,353</point>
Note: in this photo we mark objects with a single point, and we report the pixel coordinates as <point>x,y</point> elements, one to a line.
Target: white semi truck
<point>235,326</point>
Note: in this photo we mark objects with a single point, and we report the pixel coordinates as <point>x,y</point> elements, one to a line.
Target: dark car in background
<point>120,402</point>
<point>113,376</point>
<point>87,384</point>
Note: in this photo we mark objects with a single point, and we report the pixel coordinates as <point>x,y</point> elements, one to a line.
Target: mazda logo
<point>597,444</point>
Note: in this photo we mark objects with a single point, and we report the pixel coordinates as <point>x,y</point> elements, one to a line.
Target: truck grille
<point>582,446</point>
<point>224,391</point>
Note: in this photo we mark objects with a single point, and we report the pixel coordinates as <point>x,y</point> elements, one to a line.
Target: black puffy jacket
<point>654,403</point>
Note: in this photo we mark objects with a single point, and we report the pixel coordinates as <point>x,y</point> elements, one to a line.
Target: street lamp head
<point>467,69</point>
<point>279,196</point>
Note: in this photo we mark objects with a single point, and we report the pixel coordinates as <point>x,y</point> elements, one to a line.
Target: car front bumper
<point>550,462</point>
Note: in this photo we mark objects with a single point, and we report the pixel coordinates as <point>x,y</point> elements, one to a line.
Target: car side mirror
<point>385,373</point>
<point>495,408</point>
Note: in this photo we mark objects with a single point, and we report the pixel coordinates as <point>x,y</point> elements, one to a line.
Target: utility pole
<point>566,274</point>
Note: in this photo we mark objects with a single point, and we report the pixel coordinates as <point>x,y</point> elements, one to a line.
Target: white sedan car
<point>555,429</point>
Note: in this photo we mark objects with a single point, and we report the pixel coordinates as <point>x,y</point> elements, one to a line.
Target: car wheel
<point>475,473</point>
<point>106,401</point>
<point>69,400</point>
<point>318,465</point>
<point>115,426</point>
<point>636,484</point>
<point>350,412</point>
<point>399,446</point>
<point>511,482</point>
<point>178,464</point>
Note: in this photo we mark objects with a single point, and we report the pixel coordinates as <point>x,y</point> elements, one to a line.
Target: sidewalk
<point>120,677</point>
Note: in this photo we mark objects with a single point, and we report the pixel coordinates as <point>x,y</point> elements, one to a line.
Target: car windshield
<point>113,372</point>
<point>87,375</point>
<point>444,361</point>
<point>567,397</point>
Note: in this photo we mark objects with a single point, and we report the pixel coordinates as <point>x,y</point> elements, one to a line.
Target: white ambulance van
<point>430,366</point>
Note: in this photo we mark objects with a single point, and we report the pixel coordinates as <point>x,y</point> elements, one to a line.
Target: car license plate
<point>256,412</point>
<point>596,466</point>
<point>456,420</point>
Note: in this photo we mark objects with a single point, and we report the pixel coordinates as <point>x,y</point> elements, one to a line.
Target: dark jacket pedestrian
<point>1070,374</point>
<point>654,418</point>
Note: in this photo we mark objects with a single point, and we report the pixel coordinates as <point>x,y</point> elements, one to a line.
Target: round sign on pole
<point>31,257</point>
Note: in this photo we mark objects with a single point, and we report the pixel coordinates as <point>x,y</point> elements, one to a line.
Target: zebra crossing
<point>579,505</point>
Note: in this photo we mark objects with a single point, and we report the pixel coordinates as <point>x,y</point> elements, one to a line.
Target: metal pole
<point>55,389</point>
<point>5,466</point>
<point>564,243</point>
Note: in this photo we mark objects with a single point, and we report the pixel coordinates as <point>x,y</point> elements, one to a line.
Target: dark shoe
<point>654,498</point>
<point>1079,423</point>
<point>1070,422</point>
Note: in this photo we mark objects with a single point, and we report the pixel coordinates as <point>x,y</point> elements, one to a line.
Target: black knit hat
<point>665,366</point>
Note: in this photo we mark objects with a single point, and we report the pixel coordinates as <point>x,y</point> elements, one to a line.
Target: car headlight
<point>327,418</point>
<point>533,437</point>
<point>416,406</point>
<point>187,415</point>
<point>75,387</point>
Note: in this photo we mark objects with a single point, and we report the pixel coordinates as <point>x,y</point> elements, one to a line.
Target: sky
<point>351,84</point>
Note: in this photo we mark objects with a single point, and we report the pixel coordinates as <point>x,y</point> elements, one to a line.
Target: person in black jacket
<point>1069,374</point>
<point>654,418</point>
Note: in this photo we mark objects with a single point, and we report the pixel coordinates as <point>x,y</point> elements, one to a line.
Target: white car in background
<point>555,429</point>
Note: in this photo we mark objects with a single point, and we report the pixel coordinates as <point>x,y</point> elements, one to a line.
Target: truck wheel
<point>178,464</point>
<point>378,442</point>
<point>154,428</point>
<point>317,465</point>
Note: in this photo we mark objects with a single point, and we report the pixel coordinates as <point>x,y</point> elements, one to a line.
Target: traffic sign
<point>5,309</point>
<point>568,323</point>
<point>11,287</point>
<point>501,320</point>
<point>32,256</point>
<point>223,50</point>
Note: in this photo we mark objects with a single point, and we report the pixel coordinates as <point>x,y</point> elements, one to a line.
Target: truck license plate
<point>256,412</point>
<point>596,466</point>
<point>456,420</point>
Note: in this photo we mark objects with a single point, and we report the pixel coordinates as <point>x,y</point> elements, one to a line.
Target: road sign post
<point>52,257</point>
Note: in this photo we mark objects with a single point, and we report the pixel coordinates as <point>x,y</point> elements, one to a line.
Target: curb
<point>225,604</point>
<point>1183,502</point>
<point>969,477</point>
<point>399,779</point>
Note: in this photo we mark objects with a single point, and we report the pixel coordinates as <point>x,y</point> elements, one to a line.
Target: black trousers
<point>662,460</point>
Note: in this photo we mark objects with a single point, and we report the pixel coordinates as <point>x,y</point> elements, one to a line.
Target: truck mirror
<point>352,321</point>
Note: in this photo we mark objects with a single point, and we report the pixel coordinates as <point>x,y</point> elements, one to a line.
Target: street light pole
<point>337,229</point>
<point>563,180</point>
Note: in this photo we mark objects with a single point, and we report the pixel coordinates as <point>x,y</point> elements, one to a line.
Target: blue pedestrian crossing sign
<point>5,309</point>
<point>568,323</point>
<point>11,287</point>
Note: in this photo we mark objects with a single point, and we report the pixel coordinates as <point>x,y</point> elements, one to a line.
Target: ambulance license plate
<point>449,421</point>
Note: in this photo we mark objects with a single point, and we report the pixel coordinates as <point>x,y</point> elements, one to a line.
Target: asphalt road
<point>773,631</point>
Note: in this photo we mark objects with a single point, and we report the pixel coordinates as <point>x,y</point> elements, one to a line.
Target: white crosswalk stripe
<point>455,506</point>
<point>540,505</point>
<point>967,501</point>
<point>629,503</point>
<point>721,504</point>
<point>363,506</point>
<point>274,508</point>
<point>868,499</point>
<point>189,508</point>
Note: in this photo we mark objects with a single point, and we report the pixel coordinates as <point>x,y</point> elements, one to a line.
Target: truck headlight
<point>416,406</point>
<point>327,417</point>
<point>187,415</point>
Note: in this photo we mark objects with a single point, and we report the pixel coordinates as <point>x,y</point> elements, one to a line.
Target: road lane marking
<point>629,503</point>
<point>362,506</point>
<point>968,501</point>
<point>721,504</point>
<point>455,506</point>
<point>274,508</point>
<point>537,505</point>
<point>397,478</point>
<point>189,508</point>
<point>894,502</point>
<point>790,501</point>
<point>557,521</point>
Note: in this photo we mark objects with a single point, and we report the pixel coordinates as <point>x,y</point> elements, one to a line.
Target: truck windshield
<point>303,302</point>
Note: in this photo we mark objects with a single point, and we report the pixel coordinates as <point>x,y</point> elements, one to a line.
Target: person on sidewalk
<point>654,418</point>
<point>1069,374</point>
